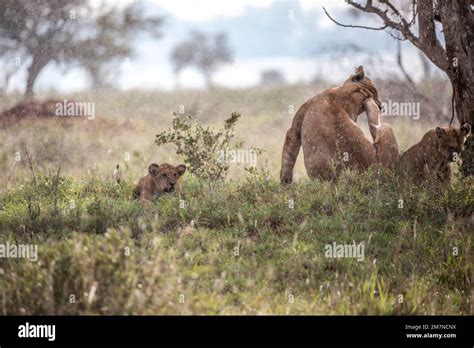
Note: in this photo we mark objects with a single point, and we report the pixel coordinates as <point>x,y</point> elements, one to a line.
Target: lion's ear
<point>466,129</point>
<point>153,169</point>
<point>181,169</point>
<point>440,132</point>
<point>358,74</point>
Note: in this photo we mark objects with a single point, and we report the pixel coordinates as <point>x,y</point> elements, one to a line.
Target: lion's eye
<point>164,175</point>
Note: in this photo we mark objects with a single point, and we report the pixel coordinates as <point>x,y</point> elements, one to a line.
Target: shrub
<point>201,146</point>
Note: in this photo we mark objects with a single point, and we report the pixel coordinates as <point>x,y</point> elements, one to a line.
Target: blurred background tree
<point>205,52</point>
<point>71,32</point>
<point>272,77</point>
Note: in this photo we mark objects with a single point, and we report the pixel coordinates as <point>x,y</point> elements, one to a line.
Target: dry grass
<point>126,124</point>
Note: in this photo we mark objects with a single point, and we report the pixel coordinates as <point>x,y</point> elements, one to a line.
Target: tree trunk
<point>426,66</point>
<point>458,26</point>
<point>463,100</point>
<point>35,68</point>
<point>208,79</point>
<point>96,82</point>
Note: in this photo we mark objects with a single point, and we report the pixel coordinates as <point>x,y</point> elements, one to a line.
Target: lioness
<point>160,179</point>
<point>325,126</point>
<point>432,156</point>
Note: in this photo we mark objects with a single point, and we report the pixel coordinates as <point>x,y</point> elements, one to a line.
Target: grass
<point>233,247</point>
<point>237,247</point>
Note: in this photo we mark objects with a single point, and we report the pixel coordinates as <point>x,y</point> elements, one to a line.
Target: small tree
<point>68,32</point>
<point>271,77</point>
<point>204,52</point>
<point>201,147</point>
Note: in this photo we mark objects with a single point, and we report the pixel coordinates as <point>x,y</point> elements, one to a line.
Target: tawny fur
<point>159,180</point>
<point>386,146</point>
<point>432,156</point>
<point>325,127</point>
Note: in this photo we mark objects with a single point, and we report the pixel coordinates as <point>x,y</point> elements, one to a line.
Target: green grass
<point>236,247</point>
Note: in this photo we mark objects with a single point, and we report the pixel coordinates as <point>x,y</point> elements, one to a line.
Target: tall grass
<point>239,247</point>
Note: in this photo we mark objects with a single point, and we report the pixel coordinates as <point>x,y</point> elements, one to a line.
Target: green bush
<point>202,147</point>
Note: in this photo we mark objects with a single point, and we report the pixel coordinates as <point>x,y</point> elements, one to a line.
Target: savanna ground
<point>231,247</point>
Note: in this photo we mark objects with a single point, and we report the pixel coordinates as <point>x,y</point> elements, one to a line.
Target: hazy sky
<point>293,36</point>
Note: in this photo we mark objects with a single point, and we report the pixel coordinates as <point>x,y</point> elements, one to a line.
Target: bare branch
<point>429,42</point>
<point>397,13</point>
<point>403,27</point>
<point>351,25</point>
<point>402,68</point>
<point>429,102</point>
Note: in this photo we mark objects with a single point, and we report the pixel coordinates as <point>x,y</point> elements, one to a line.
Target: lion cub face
<point>160,179</point>
<point>451,141</point>
<point>165,176</point>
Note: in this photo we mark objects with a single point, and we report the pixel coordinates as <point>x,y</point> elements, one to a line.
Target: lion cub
<point>432,156</point>
<point>160,179</point>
